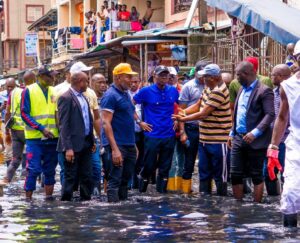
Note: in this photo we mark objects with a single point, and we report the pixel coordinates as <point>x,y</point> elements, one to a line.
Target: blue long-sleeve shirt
<point>25,110</point>
<point>241,117</point>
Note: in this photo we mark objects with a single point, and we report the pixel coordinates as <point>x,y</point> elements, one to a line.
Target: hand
<point>117,157</point>
<point>175,126</point>
<point>249,138</point>
<point>70,155</point>
<point>145,126</point>
<point>229,142</point>
<point>178,117</point>
<point>47,133</point>
<point>8,139</point>
<point>94,148</point>
<point>183,138</point>
<point>273,162</point>
<point>181,112</point>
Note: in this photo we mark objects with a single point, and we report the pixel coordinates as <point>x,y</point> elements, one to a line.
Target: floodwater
<point>143,218</point>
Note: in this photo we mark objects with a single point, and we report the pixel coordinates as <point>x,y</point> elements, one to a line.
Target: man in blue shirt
<point>118,134</point>
<point>251,133</point>
<point>158,102</point>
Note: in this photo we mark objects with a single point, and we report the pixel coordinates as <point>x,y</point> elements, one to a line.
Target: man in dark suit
<point>76,138</point>
<point>251,133</point>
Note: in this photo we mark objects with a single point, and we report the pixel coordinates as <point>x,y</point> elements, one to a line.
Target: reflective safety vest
<point>15,109</point>
<point>42,111</point>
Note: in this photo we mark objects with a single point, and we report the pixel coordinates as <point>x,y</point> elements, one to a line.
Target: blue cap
<point>211,70</point>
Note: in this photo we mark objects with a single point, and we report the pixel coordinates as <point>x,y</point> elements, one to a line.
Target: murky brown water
<point>147,218</point>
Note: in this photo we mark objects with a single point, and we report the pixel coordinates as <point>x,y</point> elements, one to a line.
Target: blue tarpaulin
<point>270,17</point>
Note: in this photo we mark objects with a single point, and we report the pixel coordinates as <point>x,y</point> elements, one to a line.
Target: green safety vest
<point>15,109</point>
<point>42,111</point>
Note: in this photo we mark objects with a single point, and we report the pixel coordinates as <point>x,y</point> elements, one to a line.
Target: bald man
<point>227,78</point>
<point>279,73</point>
<point>76,139</point>
<point>251,132</point>
<point>99,85</point>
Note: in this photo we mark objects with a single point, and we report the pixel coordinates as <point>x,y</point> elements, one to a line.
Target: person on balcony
<point>124,14</point>
<point>148,15</point>
<point>134,15</point>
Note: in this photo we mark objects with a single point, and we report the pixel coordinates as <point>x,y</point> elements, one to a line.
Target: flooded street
<point>147,218</point>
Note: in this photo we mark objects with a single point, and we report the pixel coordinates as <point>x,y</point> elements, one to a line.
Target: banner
<point>31,44</point>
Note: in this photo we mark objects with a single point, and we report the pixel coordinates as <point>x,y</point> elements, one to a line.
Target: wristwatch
<point>273,146</point>
<point>138,121</point>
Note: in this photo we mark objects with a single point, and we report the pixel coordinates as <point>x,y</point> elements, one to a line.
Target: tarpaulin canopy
<point>271,17</point>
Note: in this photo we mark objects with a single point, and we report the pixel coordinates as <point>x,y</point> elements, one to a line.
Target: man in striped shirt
<point>213,111</point>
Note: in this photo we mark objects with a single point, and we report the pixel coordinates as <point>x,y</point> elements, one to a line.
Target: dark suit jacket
<point>71,124</point>
<point>260,114</point>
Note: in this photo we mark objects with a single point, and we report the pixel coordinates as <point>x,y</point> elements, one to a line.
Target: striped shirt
<point>215,128</point>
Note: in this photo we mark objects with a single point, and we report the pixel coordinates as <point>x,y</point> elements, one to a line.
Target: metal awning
<point>272,18</point>
<point>149,40</point>
<point>49,19</point>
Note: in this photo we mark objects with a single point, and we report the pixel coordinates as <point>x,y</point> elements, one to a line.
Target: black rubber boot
<point>247,185</point>
<point>143,184</point>
<point>112,195</point>
<point>205,187</point>
<point>153,178</point>
<point>290,220</point>
<point>161,184</point>
<point>221,188</point>
<point>123,193</point>
<point>272,187</point>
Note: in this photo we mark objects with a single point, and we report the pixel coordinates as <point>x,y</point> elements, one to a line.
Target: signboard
<point>31,44</point>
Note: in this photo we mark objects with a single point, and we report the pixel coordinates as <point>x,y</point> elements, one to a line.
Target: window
<point>181,6</point>
<point>34,12</point>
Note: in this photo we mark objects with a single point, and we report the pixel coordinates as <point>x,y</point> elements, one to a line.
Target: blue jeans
<point>61,159</point>
<point>212,162</point>
<point>118,176</point>
<point>178,160</point>
<point>96,165</point>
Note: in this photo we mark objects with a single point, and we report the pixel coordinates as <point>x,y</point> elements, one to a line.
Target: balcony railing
<point>8,64</point>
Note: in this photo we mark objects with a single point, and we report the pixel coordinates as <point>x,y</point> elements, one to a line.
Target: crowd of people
<point>130,134</point>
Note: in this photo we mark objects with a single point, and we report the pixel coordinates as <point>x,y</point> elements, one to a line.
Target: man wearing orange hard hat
<point>118,134</point>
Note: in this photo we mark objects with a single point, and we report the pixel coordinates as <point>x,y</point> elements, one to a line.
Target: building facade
<point>18,15</point>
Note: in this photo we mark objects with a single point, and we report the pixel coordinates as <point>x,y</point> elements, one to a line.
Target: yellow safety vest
<point>42,110</point>
<point>15,109</point>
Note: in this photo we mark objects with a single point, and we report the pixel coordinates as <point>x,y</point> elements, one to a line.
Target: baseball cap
<point>123,68</point>
<point>210,70</point>
<point>46,70</point>
<point>79,67</point>
<point>172,71</point>
<point>161,69</point>
<point>297,48</point>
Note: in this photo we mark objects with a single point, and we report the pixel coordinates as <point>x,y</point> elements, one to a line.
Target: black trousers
<point>80,170</point>
<point>158,153</point>
<point>192,132</point>
<point>118,176</point>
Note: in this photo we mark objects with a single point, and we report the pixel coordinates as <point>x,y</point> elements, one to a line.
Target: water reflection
<point>144,218</point>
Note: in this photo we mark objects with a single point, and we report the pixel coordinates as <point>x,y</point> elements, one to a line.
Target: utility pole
<point>202,12</point>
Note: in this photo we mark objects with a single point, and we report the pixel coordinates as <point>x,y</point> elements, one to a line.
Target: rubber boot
<point>272,187</point>
<point>161,184</point>
<point>186,186</point>
<point>178,183</point>
<point>205,187</point>
<point>153,178</point>
<point>123,193</point>
<point>112,195</point>
<point>290,220</point>
<point>221,188</point>
<point>247,185</point>
<point>143,184</point>
<point>171,184</point>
